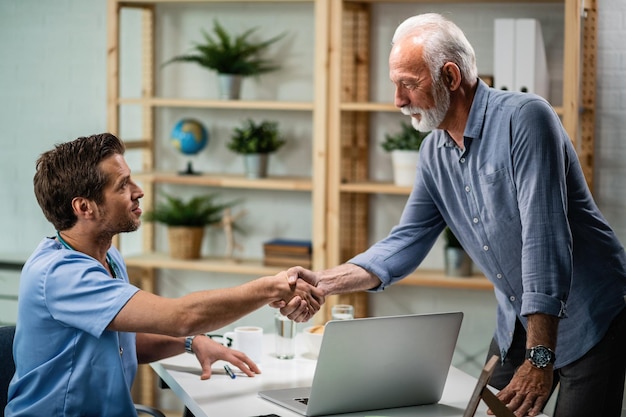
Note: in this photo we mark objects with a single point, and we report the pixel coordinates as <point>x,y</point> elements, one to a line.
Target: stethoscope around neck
<point>109,259</point>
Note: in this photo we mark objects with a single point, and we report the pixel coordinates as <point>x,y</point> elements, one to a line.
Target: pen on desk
<point>230,372</point>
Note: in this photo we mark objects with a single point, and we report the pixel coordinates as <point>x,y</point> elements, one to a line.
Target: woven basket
<point>185,242</point>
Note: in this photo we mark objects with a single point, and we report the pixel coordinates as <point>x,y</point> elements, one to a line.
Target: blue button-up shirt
<point>517,199</point>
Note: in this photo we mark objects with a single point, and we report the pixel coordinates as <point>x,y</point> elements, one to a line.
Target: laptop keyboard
<point>304,401</point>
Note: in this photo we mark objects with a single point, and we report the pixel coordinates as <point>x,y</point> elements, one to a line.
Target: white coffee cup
<point>249,340</point>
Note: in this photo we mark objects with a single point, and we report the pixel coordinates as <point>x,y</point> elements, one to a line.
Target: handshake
<point>301,297</point>
<point>307,290</point>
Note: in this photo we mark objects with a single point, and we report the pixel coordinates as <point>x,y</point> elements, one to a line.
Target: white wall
<point>53,84</point>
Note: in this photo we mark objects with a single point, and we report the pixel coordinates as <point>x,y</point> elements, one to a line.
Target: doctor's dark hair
<point>70,170</point>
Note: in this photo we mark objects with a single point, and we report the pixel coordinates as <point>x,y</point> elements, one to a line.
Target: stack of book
<point>287,252</point>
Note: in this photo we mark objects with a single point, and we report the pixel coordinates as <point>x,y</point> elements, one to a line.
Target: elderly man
<point>500,170</point>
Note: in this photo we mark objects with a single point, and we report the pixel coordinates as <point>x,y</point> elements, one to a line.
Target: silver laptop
<point>376,363</point>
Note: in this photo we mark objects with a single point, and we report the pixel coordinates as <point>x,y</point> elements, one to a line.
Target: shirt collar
<point>476,118</point>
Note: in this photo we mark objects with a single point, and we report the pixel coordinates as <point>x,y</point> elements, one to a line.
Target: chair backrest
<point>7,365</point>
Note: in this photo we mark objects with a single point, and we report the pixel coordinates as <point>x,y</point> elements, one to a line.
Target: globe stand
<point>189,170</point>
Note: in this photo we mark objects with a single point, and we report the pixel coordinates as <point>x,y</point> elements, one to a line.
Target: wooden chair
<point>481,392</point>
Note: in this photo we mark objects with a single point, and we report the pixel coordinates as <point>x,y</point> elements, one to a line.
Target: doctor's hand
<point>208,351</point>
<point>528,391</point>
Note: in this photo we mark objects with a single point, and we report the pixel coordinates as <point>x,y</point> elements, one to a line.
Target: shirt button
<point>467,188</point>
<point>462,160</point>
<point>512,298</point>
<point>499,276</point>
<point>475,219</point>
<point>485,248</point>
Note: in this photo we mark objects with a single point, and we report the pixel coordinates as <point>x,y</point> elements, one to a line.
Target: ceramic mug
<point>249,340</point>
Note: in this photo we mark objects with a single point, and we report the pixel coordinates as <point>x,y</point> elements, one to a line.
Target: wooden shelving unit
<point>150,175</point>
<point>143,267</point>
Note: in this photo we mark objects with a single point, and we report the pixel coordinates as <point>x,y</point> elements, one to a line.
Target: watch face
<point>540,356</point>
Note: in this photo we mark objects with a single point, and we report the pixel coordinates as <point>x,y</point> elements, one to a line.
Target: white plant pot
<point>229,86</point>
<point>404,165</point>
<point>256,165</point>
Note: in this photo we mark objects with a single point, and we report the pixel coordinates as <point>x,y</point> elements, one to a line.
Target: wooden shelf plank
<point>369,106</point>
<point>218,104</point>
<point>374,188</point>
<point>453,1</point>
<point>435,278</point>
<point>390,107</point>
<point>135,3</point>
<point>207,264</point>
<point>228,181</point>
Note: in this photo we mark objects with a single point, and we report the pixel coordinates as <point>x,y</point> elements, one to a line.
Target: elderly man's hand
<point>528,391</point>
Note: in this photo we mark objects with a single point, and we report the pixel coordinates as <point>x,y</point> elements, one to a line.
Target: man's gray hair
<point>444,42</point>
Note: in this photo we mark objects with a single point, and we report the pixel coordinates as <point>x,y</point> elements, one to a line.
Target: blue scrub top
<point>67,363</point>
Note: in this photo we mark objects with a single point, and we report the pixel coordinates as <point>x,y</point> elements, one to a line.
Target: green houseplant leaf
<point>254,137</point>
<point>228,54</point>
<point>407,139</point>
<point>197,211</point>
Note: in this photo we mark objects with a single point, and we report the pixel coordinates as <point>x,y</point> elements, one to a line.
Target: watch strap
<point>189,343</point>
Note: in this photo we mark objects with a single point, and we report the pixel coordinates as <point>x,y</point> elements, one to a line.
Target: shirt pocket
<point>497,197</point>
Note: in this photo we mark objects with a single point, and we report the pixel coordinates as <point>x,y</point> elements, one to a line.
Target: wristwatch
<point>188,343</point>
<point>540,356</point>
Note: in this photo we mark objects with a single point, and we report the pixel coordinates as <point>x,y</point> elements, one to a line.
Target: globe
<point>189,137</point>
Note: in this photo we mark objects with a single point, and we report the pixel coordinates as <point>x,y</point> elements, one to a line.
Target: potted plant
<point>457,261</point>
<point>186,221</point>
<point>232,57</point>
<point>404,148</point>
<point>255,141</point>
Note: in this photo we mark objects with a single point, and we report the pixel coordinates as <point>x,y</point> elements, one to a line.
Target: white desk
<point>222,396</point>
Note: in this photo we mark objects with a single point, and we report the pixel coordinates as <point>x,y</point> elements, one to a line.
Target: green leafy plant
<point>407,139</point>
<point>228,54</point>
<point>197,211</point>
<point>451,239</point>
<point>251,138</point>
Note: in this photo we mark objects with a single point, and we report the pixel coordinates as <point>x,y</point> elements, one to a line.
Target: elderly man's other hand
<point>528,391</point>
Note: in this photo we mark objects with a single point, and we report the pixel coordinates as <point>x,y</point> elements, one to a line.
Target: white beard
<point>431,118</point>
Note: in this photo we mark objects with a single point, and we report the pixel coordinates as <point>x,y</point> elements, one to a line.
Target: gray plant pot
<point>256,165</point>
<point>457,262</point>
<point>229,86</point>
